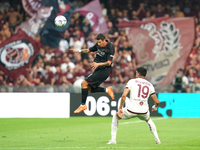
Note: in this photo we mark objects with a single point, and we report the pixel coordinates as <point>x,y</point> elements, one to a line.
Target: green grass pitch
<point>94,132</point>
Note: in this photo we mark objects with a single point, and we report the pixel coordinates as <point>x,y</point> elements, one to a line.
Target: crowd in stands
<point>57,69</point>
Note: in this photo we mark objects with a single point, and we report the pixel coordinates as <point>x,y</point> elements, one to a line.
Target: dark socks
<point>93,90</point>
<point>84,95</point>
<point>98,89</point>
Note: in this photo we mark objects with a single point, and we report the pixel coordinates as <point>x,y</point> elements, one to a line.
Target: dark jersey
<point>103,53</point>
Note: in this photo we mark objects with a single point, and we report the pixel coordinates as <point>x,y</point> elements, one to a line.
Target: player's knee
<point>147,119</point>
<point>84,84</point>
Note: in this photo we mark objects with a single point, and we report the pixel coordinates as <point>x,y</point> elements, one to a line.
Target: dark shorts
<point>98,77</point>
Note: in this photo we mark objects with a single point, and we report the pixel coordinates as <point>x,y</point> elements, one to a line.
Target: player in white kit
<point>140,90</point>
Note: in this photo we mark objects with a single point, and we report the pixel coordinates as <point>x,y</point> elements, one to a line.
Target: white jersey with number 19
<point>140,90</point>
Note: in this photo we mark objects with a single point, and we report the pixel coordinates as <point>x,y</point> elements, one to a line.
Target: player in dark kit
<point>101,65</point>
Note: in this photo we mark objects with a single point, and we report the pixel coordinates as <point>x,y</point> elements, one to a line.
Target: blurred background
<point>35,54</point>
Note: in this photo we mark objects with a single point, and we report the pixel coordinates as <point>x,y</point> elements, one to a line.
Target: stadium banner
<point>51,34</point>
<point>162,45</point>
<point>33,26</point>
<point>100,104</point>
<point>34,105</point>
<point>179,105</point>
<point>31,6</point>
<point>17,53</point>
<point>93,12</point>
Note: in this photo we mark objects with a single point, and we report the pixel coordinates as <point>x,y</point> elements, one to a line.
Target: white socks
<point>114,127</point>
<point>153,130</point>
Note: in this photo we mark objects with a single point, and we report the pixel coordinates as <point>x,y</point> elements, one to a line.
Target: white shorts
<point>127,114</point>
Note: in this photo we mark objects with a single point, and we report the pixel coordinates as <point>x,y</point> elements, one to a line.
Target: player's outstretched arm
<point>80,51</point>
<point>155,98</point>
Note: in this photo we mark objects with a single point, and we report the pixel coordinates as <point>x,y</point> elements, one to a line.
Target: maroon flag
<point>33,26</point>
<point>92,11</point>
<point>31,6</point>
<point>162,45</point>
<point>16,53</point>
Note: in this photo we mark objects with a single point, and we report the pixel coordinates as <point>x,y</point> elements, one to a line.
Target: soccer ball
<point>60,21</point>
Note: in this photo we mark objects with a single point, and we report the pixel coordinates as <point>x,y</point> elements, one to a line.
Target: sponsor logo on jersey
<point>100,53</point>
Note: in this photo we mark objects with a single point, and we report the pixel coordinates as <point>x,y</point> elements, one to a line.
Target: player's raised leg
<point>108,90</point>
<point>84,87</point>
<point>153,130</point>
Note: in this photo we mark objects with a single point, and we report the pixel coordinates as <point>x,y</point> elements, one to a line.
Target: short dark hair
<point>100,36</point>
<point>142,71</point>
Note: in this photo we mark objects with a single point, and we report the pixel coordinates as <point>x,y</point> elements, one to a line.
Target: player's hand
<point>120,113</point>
<point>74,50</point>
<point>94,65</point>
<point>154,108</point>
